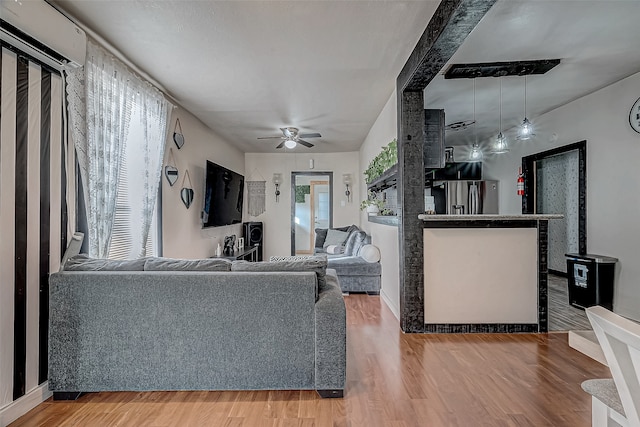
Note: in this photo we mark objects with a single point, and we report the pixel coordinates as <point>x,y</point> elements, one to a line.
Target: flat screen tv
<point>223,194</point>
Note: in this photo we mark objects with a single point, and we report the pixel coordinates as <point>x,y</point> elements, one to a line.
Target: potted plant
<point>373,205</point>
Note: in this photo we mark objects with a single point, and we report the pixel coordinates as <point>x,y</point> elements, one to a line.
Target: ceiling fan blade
<point>286,132</point>
<point>305,143</point>
<point>270,137</point>
<point>310,135</point>
<point>280,145</point>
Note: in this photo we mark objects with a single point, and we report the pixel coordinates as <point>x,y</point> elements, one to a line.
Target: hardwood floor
<point>562,315</point>
<point>393,379</point>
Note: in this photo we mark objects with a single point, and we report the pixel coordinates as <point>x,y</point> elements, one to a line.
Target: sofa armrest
<point>331,337</point>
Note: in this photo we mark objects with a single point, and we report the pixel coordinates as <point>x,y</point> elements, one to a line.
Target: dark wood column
<point>447,29</point>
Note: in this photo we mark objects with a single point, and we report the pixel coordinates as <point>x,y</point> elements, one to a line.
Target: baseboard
<point>395,310</point>
<point>18,408</point>
<point>586,343</point>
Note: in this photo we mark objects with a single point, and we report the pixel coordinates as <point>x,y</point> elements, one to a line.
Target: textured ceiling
<point>592,38</point>
<point>247,68</point>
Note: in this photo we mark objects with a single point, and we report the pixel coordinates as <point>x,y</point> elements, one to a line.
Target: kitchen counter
<point>485,273</point>
<point>426,217</point>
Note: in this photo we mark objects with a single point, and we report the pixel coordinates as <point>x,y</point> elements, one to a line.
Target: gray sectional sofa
<point>354,272</point>
<point>171,327</point>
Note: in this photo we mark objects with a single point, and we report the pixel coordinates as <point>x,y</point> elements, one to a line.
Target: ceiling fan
<point>290,138</point>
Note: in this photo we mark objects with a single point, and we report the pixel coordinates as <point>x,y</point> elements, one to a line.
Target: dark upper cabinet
<point>458,170</point>
<point>470,170</point>
<point>433,144</point>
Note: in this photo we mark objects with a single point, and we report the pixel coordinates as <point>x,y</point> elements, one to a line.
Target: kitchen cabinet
<point>457,170</point>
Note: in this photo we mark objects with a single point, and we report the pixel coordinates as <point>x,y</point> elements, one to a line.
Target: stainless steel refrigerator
<point>465,197</point>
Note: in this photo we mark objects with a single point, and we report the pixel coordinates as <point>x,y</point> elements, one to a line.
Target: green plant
<point>301,191</point>
<point>372,200</point>
<point>383,161</point>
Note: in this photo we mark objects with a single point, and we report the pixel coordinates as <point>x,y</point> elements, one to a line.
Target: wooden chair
<point>616,402</point>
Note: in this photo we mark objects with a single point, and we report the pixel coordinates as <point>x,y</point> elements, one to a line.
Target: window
<point>126,240</point>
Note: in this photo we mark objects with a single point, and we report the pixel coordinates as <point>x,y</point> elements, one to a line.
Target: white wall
<point>613,152</point>
<point>183,235</point>
<point>277,217</point>
<point>384,236</point>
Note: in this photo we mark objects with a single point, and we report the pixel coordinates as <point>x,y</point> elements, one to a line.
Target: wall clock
<point>634,116</point>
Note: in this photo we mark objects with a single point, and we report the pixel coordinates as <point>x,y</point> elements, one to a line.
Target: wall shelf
<point>384,181</point>
<point>391,220</point>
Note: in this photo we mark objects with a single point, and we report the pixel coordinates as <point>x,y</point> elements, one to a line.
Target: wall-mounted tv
<point>223,194</point>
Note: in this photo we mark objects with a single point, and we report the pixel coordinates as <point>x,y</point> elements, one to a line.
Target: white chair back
<point>620,342</point>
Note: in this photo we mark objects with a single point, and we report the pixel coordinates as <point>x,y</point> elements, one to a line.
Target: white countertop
<point>426,217</point>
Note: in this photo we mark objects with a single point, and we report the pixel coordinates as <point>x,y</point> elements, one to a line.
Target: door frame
<point>529,197</point>
<point>293,203</point>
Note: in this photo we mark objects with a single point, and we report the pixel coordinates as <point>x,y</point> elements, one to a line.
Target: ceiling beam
<point>449,26</point>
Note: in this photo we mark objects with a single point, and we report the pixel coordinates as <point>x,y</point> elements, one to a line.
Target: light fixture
<point>290,143</point>
<point>475,153</point>
<point>346,179</point>
<point>526,128</point>
<point>277,180</point>
<point>500,145</point>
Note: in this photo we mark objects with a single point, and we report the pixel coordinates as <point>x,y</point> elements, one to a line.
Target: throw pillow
<point>321,235</point>
<point>289,258</point>
<point>83,262</point>
<point>335,237</point>
<point>354,242</point>
<point>317,263</point>
<point>170,264</point>
<point>335,249</point>
<point>370,253</point>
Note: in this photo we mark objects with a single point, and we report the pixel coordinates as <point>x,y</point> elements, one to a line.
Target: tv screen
<point>223,194</point>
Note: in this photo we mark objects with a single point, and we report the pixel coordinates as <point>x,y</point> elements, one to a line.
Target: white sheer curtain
<point>152,112</point>
<point>101,99</point>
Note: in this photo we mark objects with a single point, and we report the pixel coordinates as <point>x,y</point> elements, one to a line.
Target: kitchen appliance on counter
<point>465,197</point>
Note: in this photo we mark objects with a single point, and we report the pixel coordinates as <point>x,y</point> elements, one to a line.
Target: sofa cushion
<point>317,264</point>
<point>354,266</point>
<point>321,234</point>
<point>335,237</point>
<point>84,262</point>
<point>170,264</point>
<point>354,242</point>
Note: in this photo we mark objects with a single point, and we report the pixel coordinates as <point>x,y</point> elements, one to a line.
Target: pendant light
<point>500,145</point>
<point>475,153</point>
<point>526,127</point>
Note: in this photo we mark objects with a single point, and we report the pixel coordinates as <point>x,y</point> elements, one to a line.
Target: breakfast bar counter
<point>485,273</point>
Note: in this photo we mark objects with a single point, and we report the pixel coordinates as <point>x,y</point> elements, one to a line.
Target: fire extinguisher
<point>520,182</point>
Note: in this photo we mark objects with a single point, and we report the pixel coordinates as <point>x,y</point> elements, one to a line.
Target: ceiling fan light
<point>500,146</point>
<point>290,143</point>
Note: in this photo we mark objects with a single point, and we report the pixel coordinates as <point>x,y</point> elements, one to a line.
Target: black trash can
<point>590,280</point>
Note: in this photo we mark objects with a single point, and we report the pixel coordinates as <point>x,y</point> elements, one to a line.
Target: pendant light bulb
<point>475,154</point>
<point>500,145</point>
<point>526,127</point>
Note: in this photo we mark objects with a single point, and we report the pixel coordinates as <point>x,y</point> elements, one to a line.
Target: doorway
<point>555,182</point>
<point>311,208</point>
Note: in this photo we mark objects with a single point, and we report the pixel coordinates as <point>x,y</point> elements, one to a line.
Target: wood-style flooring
<point>562,315</point>
<point>393,380</point>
